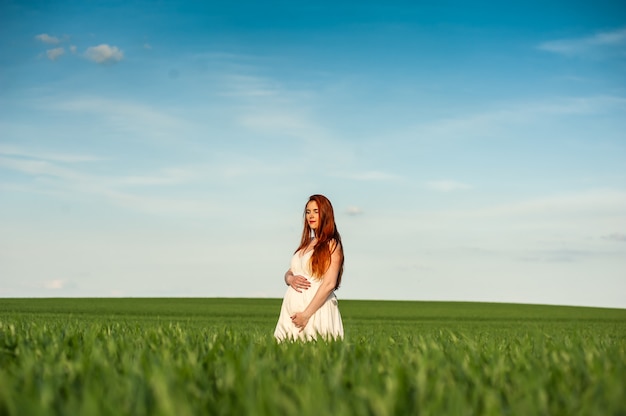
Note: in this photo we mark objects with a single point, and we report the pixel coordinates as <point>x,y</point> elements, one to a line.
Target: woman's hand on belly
<point>298,283</point>
<point>300,319</point>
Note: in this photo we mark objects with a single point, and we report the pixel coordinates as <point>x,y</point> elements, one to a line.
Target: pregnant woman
<point>310,307</point>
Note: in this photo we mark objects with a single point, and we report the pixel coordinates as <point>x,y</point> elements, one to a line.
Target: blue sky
<point>472,151</point>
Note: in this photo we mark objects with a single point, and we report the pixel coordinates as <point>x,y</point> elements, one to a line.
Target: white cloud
<point>167,177</point>
<point>38,168</point>
<point>73,48</point>
<point>147,46</point>
<point>281,114</point>
<point>104,54</point>
<point>142,121</point>
<point>492,122</point>
<point>615,39</point>
<point>9,150</point>
<point>272,108</point>
<point>447,186</point>
<point>372,175</point>
<point>55,284</point>
<point>45,38</point>
<point>275,121</point>
<point>560,221</point>
<point>604,203</point>
<point>160,205</point>
<point>249,87</point>
<point>354,211</point>
<point>77,184</point>
<point>53,54</point>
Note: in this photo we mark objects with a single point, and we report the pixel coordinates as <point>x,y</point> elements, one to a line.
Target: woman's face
<point>312,215</point>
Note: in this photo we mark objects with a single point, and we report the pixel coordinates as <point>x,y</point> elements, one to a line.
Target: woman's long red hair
<point>328,238</point>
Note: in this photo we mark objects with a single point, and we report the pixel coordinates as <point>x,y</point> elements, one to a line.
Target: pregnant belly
<point>297,302</point>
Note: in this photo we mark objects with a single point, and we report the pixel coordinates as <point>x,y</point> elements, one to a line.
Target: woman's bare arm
<point>329,281</point>
<point>297,282</point>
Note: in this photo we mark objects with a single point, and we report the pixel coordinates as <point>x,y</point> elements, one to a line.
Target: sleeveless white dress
<point>325,322</point>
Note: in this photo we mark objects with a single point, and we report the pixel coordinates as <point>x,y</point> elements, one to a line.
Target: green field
<point>218,356</point>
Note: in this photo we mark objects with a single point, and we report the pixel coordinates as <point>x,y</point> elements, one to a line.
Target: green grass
<point>218,356</point>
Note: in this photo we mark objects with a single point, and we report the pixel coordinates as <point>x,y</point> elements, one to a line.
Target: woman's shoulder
<point>334,244</point>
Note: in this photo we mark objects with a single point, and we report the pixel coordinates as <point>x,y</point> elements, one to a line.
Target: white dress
<point>325,322</point>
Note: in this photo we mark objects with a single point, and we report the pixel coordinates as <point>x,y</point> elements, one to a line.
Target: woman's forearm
<point>288,276</point>
<point>328,284</point>
<point>320,297</point>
